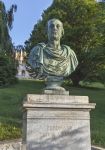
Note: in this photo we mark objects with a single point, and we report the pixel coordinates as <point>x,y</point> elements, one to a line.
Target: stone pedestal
<point>56,122</point>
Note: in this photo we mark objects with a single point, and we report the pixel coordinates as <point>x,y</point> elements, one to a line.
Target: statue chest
<point>56,65</point>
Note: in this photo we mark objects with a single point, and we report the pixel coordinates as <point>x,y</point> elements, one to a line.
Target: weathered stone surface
<point>18,146</point>
<point>56,92</point>
<point>11,145</point>
<point>56,122</point>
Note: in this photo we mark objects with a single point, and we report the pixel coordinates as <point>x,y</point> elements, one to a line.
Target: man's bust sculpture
<point>53,60</point>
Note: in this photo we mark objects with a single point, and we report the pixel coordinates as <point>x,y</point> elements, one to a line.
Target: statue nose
<point>55,28</point>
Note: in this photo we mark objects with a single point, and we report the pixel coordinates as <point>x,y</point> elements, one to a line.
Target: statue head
<point>55,29</point>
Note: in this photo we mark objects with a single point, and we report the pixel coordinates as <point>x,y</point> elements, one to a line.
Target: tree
<point>82,22</point>
<point>7,70</point>
<point>10,16</point>
<point>6,20</point>
<point>38,35</point>
<point>7,66</point>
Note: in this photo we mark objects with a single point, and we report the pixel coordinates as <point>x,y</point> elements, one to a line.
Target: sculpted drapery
<point>53,62</point>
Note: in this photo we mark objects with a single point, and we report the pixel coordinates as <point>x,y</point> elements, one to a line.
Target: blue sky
<point>27,15</point>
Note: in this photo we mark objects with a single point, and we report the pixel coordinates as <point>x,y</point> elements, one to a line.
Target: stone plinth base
<point>56,122</point>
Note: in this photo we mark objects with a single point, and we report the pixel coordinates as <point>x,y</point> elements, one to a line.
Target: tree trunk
<point>76,78</point>
<point>75,82</point>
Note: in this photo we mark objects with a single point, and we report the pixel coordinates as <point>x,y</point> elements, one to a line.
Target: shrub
<point>7,70</point>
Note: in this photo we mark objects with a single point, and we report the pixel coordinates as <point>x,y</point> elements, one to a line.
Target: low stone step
<point>17,144</point>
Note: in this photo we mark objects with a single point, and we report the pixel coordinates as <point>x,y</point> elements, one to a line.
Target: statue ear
<point>62,32</point>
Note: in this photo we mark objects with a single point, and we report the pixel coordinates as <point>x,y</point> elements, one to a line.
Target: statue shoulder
<point>36,55</point>
<point>67,47</point>
<point>69,50</point>
<point>42,45</point>
<point>38,47</point>
<point>72,56</point>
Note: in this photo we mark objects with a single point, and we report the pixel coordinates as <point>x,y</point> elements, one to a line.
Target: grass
<point>11,108</point>
<point>97,115</point>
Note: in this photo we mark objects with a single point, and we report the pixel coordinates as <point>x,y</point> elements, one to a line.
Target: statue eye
<point>58,26</point>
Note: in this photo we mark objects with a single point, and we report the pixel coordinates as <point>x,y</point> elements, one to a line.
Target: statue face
<point>55,29</point>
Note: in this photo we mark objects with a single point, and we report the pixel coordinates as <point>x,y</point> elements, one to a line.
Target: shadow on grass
<point>84,86</point>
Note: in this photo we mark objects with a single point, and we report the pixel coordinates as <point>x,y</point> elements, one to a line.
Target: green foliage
<point>97,72</point>
<point>7,70</point>
<point>79,18</point>
<point>8,132</point>
<point>37,36</point>
<point>10,15</point>
<point>6,20</point>
<point>5,41</point>
<point>84,22</point>
<point>7,67</point>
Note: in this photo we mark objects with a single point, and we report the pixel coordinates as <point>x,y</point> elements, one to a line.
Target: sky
<point>27,15</point>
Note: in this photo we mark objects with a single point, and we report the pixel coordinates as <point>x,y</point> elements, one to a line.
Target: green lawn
<point>97,115</point>
<point>11,109</point>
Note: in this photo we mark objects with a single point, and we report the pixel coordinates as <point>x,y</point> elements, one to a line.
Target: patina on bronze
<point>53,60</point>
